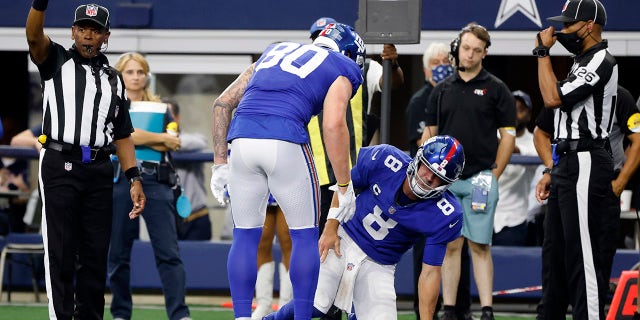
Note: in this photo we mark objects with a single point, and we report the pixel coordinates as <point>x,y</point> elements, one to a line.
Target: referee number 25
<point>294,58</point>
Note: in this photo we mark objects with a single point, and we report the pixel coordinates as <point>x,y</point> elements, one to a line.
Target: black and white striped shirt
<point>84,100</point>
<point>588,96</point>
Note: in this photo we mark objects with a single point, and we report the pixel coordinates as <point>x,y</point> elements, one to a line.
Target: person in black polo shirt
<point>582,212</point>
<point>472,105</point>
<point>84,113</point>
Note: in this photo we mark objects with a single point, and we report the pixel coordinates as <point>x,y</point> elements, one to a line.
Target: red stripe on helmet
<point>452,151</point>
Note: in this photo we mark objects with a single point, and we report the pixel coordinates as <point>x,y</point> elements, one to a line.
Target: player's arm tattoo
<point>223,108</point>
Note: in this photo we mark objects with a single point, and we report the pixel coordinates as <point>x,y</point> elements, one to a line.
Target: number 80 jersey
<point>288,87</point>
<point>385,230</point>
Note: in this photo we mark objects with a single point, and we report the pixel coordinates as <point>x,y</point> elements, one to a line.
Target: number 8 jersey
<point>288,87</point>
<point>384,229</point>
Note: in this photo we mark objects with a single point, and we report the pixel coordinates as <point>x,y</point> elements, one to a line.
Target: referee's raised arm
<point>37,40</point>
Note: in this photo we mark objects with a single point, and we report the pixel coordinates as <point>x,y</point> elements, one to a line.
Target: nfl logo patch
<point>68,166</point>
<point>91,11</point>
<point>350,266</point>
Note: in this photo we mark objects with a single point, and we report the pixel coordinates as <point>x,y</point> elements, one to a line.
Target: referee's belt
<point>148,167</point>
<point>84,153</point>
<point>564,146</point>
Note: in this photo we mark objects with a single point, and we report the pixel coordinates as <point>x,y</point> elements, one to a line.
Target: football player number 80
<point>302,66</point>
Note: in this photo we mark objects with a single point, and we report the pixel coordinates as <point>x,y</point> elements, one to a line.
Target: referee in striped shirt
<point>85,115</point>
<point>583,211</point>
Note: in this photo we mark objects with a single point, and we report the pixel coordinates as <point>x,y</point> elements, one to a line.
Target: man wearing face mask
<point>436,67</point>
<point>583,212</point>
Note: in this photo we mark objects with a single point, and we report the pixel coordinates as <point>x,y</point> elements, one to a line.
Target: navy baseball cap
<point>319,24</point>
<point>582,10</point>
<point>519,94</point>
<point>92,12</point>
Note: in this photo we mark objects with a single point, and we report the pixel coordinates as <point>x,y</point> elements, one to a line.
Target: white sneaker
<point>286,290</point>
<point>264,290</point>
<point>260,312</point>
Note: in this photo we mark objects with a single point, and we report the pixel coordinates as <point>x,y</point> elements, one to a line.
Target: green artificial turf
<point>39,312</point>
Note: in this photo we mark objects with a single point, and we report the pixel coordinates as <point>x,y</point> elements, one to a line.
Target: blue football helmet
<point>342,38</point>
<point>319,24</point>
<point>444,156</point>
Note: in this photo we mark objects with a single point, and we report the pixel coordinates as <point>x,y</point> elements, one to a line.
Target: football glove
<point>219,179</point>
<point>346,204</point>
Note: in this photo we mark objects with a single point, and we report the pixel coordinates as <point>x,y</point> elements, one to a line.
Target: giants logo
<point>327,29</point>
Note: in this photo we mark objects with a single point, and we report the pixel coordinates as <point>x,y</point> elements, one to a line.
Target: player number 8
<point>446,206</point>
<point>383,224</point>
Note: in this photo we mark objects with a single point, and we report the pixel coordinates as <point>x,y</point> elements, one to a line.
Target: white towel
<point>353,257</point>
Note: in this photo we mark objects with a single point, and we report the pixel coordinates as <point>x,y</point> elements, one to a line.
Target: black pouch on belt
<point>166,175</point>
<point>562,147</point>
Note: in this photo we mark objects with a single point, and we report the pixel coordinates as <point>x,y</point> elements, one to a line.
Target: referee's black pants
<point>76,228</point>
<point>580,231</point>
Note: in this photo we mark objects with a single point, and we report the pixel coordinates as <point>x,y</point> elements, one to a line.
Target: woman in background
<point>160,216</point>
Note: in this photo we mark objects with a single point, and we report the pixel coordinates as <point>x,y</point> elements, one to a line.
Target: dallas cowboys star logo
<point>510,7</point>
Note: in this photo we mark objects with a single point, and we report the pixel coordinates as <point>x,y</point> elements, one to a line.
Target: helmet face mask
<point>423,189</point>
<point>444,156</point>
<point>344,39</point>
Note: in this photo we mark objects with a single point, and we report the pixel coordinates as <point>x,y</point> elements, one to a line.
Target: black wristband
<point>541,50</point>
<point>131,173</point>
<point>40,5</point>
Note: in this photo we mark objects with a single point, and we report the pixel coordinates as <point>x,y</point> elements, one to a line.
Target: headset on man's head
<point>455,44</point>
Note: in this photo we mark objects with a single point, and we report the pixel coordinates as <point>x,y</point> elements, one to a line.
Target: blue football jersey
<point>384,229</point>
<point>288,87</point>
